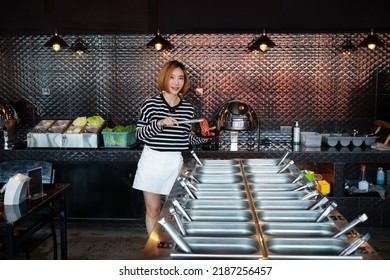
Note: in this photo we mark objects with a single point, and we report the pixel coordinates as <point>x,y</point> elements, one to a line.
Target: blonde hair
<point>165,75</point>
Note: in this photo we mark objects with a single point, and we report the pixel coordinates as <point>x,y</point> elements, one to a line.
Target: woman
<point>164,138</point>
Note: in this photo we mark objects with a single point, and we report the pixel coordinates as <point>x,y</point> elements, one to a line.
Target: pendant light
<point>56,42</point>
<point>347,48</point>
<point>79,47</point>
<point>159,43</point>
<point>371,42</point>
<point>261,44</point>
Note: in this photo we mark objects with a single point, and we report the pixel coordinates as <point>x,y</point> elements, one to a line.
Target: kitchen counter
<point>102,178</point>
<point>323,154</point>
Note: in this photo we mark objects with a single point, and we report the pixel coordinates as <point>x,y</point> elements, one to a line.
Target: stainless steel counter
<point>241,212</point>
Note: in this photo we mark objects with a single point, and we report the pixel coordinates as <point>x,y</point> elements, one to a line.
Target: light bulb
<point>347,52</point>
<point>158,46</point>
<point>263,47</point>
<point>371,46</point>
<point>56,47</point>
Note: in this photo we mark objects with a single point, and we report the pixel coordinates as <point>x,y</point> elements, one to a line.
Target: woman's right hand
<point>167,122</point>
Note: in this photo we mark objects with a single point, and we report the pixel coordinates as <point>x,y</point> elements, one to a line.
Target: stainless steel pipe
<point>175,236</point>
<point>350,225</point>
<point>355,245</point>
<point>181,209</point>
<point>179,223</point>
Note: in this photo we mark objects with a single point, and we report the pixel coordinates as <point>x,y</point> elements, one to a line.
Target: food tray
<point>62,134</point>
<point>345,140</point>
<point>119,139</point>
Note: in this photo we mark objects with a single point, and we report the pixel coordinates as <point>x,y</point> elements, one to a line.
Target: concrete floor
<point>92,241</point>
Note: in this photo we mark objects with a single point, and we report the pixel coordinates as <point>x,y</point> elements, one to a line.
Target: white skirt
<point>157,171</point>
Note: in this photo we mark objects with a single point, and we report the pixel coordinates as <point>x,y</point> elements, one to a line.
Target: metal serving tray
<point>281,195</point>
<point>61,134</point>
<point>299,229</point>
<point>220,187</point>
<point>262,161</point>
<point>218,178</point>
<point>220,194</point>
<point>217,169</point>
<point>270,178</point>
<point>210,162</point>
<point>273,187</point>
<point>217,204</point>
<point>263,169</point>
<point>306,216</point>
<point>284,204</point>
<point>220,248</point>
<point>220,229</point>
<point>219,215</point>
<point>308,248</point>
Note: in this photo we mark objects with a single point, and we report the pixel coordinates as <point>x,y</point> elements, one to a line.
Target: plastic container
<point>323,186</point>
<point>380,176</point>
<point>311,139</point>
<point>119,139</point>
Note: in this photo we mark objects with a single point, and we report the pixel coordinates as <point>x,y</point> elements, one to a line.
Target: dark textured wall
<point>304,78</point>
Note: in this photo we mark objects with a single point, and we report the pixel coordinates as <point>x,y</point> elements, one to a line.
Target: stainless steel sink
<point>222,229</point>
<point>289,215</point>
<point>282,178</point>
<point>282,195</point>
<point>220,187</point>
<point>217,169</point>
<point>220,194</point>
<point>220,247</point>
<point>299,229</point>
<point>220,215</point>
<point>307,248</point>
<point>218,178</point>
<point>284,204</point>
<point>273,187</point>
<point>217,204</point>
<point>263,169</point>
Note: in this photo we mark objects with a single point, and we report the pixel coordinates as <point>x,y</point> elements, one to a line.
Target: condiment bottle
<point>363,184</point>
<point>380,176</point>
<point>296,134</point>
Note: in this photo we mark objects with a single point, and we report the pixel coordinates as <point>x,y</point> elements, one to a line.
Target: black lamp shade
<point>79,47</point>
<point>262,44</point>
<point>56,43</point>
<point>159,43</point>
<point>347,47</point>
<point>371,42</point>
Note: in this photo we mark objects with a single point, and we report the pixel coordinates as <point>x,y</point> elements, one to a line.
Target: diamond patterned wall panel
<point>303,78</point>
<point>247,141</point>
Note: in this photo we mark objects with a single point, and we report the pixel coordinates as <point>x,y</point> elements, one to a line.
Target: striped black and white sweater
<point>172,139</point>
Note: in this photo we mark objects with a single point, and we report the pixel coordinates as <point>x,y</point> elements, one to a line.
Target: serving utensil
<point>191,121</point>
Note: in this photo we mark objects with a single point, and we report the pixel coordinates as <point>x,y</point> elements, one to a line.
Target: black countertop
<point>323,154</point>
